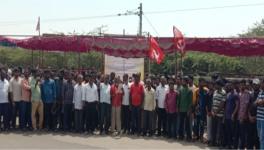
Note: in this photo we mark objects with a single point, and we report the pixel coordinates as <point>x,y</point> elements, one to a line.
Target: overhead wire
<point>204,8</point>
<point>11,23</point>
<point>152,26</point>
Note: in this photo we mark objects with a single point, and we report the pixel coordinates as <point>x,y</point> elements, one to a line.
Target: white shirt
<point>4,87</point>
<point>105,93</point>
<point>161,95</point>
<point>90,94</point>
<point>16,88</point>
<point>126,88</point>
<point>77,97</point>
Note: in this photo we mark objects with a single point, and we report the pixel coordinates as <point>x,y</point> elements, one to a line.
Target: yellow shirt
<point>149,101</point>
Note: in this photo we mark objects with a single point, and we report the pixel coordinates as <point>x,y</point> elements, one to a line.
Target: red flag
<point>155,51</point>
<point>178,40</point>
<point>38,25</point>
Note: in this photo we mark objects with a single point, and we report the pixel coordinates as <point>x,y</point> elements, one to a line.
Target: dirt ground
<point>30,140</point>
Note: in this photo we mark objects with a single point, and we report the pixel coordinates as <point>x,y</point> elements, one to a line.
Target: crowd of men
<point>224,113</point>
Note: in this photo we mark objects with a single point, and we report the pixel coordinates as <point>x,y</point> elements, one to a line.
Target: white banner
<point>123,65</point>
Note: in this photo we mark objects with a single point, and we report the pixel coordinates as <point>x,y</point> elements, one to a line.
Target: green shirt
<point>185,99</point>
<point>35,90</point>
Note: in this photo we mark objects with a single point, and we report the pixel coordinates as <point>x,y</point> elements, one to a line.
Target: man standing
<point>116,97</point>
<point>25,102</point>
<point>48,95</point>
<point>4,102</point>
<point>184,105</point>
<point>161,91</point>
<point>67,98</point>
<point>136,99</point>
<point>219,99</point>
<point>149,106</point>
<point>15,89</point>
<point>59,80</point>
<point>200,109</point>
<point>171,110</point>
<point>126,115</point>
<point>209,101</point>
<point>78,105</point>
<point>90,96</point>
<point>260,115</point>
<point>36,101</point>
<point>244,98</point>
<point>105,105</point>
<point>231,108</point>
<point>253,140</point>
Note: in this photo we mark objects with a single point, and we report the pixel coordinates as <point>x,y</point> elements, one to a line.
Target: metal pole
<point>181,66</point>
<point>176,63</point>
<point>149,66</point>
<point>149,60</point>
<point>79,62</point>
<point>32,65</point>
<point>79,58</point>
<point>39,50</point>
<point>102,54</point>
<point>140,18</point>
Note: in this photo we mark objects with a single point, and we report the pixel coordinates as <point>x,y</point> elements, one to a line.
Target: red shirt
<point>136,91</point>
<point>116,96</point>
<point>171,102</point>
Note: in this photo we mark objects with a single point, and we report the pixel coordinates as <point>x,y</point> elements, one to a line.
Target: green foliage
<point>257,30</point>
<point>21,57</point>
<point>200,63</point>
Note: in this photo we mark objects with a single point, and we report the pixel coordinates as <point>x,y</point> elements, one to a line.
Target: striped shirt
<point>260,109</point>
<point>218,97</point>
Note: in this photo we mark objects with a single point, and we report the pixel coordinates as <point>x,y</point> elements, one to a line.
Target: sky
<point>20,16</point>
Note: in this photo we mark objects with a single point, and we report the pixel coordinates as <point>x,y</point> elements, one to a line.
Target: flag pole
<point>79,58</point>
<point>149,63</point>
<point>181,66</point>
<point>39,38</point>
<point>37,29</point>
<point>176,63</point>
<point>148,58</point>
<point>32,65</point>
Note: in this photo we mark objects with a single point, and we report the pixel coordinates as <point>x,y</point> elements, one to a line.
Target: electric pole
<point>138,13</point>
<point>140,19</point>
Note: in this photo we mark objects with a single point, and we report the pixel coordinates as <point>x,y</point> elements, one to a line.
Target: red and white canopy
<point>136,47</point>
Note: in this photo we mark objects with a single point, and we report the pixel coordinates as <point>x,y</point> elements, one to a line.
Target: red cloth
<point>136,92</point>
<point>154,50</point>
<point>136,47</point>
<point>178,39</point>
<point>116,96</point>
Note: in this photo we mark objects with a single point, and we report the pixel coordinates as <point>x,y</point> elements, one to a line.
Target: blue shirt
<point>202,102</point>
<point>230,104</point>
<point>48,91</point>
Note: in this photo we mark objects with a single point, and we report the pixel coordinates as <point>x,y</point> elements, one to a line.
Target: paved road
<point>76,141</point>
